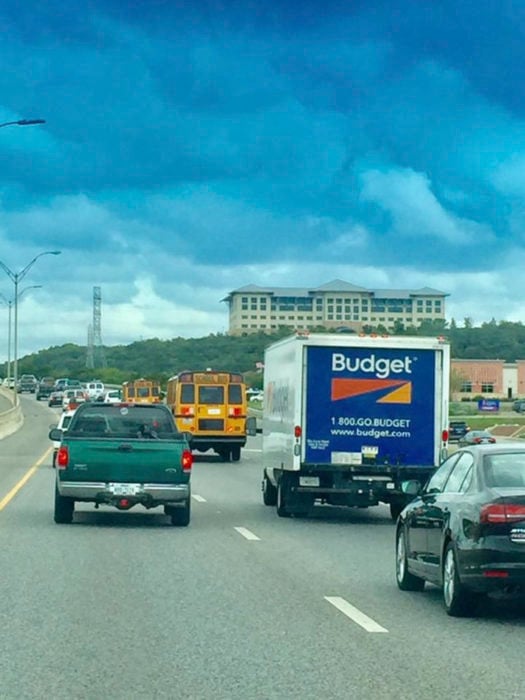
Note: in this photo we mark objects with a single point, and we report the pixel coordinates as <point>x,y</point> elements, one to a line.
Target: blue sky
<point>192,148</point>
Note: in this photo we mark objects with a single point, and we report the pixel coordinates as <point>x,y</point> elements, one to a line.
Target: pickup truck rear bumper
<point>103,493</point>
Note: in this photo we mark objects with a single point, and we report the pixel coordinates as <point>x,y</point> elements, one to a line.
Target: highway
<point>240,605</point>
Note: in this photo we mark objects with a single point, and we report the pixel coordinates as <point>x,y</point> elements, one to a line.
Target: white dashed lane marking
<point>355,615</point>
<point>198,498</point>
<point>248,534</point>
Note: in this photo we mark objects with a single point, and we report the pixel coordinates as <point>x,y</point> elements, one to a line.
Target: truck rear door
<point>370,405</point>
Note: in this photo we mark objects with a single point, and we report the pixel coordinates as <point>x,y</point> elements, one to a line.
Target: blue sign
<point>370,405</point>
<point>488,405</point>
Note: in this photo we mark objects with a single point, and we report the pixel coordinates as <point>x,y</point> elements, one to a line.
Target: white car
<point>9,383</point>
<point>73,396</point>
<point>113,396</point>
<point>63,423</point>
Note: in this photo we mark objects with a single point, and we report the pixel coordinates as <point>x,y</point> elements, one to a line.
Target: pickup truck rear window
<point>124,422</point>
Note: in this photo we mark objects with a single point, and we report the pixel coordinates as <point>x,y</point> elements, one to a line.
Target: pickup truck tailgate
<point>135,460</point>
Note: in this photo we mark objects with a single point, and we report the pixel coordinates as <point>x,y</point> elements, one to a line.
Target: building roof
<point>336,286</point>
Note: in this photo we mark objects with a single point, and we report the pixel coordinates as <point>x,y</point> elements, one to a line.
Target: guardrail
<point>11,419</point>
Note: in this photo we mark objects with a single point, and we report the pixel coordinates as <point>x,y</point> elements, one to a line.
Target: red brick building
<point>489,378</point>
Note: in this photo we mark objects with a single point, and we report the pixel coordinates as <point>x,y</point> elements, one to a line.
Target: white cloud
<point>415,210</point>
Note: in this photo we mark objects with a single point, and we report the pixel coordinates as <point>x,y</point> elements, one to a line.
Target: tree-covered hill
<point>160,359</point>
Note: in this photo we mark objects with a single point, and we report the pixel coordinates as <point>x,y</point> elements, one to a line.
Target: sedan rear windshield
<point>505,470</point>
<point>127,422</point>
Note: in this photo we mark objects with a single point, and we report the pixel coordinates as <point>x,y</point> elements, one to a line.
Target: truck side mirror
<point>55,434</point>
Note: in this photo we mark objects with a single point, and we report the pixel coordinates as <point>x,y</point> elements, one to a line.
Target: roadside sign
<point>488,405</point>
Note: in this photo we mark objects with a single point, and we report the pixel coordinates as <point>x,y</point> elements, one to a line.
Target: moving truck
<point>347,419</point>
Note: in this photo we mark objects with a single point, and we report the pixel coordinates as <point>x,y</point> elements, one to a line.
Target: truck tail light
<point>62,460</point>
<point>444,436</point>
<point>187,410</point>
<point>297,431</point>
<point>235,411</point>
<point>186,461</point>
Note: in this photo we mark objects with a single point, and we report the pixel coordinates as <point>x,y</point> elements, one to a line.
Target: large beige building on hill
<point>333,305</point>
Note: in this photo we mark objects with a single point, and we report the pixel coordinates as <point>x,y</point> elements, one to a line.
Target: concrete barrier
<point>12,418</point>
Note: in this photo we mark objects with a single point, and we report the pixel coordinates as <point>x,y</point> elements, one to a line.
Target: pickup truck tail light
<point>62,460</point>
<point>186,461</point>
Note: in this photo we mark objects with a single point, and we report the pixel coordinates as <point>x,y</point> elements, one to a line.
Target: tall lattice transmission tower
<point>95,350</point>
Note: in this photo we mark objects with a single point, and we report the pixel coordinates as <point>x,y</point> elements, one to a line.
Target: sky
<point>192,148</point>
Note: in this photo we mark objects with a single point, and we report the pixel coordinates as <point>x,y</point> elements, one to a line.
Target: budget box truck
<point>348,418</point>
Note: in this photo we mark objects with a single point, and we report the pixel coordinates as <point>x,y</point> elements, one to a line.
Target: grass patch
<point>482,422</point>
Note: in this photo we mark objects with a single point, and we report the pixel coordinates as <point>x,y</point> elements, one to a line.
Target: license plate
<point>124,489</point>
<point>308,481</point>
<point>214,411</point>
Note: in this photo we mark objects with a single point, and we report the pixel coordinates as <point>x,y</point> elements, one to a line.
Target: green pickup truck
<point>123,455</point>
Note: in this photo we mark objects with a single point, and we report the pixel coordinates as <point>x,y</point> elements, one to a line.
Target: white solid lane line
<point>354,614</point>
<point>198,498</point>
<point>251,449</point>
<point>248,534</point>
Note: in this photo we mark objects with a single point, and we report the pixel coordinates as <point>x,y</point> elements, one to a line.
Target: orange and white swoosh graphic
<point>387,390</point>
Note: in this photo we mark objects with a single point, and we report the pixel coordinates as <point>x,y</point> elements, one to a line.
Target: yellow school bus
<point>210,406</point>
<point>141,391</point>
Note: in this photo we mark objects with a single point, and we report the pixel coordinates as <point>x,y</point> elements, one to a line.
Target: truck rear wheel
<point>64,508</point>
<point>180,515</point>
<point>236,453</point>
<point>395,510</point>
<point>269,492</point>
<point>282,492</point>
<point>225,454</point>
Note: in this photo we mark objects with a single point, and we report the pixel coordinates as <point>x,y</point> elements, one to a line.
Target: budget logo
<point>381,390</point>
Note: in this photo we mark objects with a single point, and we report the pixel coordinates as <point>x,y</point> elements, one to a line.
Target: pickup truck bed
<point>123,455</point>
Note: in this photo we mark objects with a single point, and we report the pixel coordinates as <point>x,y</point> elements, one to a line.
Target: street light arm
<point>8,271</point>
<point>23,122</point>
<point>29,265</point>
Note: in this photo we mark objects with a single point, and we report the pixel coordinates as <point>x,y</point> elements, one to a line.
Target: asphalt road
<point>240,605</point>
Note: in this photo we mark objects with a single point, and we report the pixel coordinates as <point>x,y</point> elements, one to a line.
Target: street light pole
<point>9,304</point>
<point>16,278</point>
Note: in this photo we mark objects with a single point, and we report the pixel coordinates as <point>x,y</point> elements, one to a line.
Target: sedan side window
<point>437,482</point>
<point>457,477</point>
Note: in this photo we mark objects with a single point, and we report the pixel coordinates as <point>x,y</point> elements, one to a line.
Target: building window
<point>466,387</point>
<point>487,387</point>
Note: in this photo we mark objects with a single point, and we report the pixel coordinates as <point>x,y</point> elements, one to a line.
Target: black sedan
<point>465,531</point>
<point>476,437</point>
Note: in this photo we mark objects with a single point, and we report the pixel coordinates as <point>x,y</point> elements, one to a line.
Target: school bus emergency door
<point>211,407</point>
<point>141,391</point>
